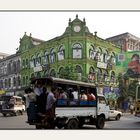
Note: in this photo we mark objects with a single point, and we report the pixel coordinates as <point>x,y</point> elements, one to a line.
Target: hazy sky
<point>50,24</point>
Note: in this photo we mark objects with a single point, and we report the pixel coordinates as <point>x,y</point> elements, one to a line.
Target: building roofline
<point>123,34</point>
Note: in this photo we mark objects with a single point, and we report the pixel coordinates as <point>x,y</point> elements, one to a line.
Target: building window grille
<point>77,51</point>
<point>52,56</point>
<point>61,53</point>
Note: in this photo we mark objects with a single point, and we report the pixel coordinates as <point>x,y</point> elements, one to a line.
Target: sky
<point>46,25</point>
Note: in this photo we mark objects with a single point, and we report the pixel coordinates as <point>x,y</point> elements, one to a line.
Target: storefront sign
<point>102,65</point>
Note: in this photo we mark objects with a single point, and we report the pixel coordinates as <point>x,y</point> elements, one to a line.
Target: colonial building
<point>77,51</point>
<point>10,78</point>
<point>3,55</point>
<point>126,41</point>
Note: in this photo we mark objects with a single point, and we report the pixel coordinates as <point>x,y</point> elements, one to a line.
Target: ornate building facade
<point>83,53</point>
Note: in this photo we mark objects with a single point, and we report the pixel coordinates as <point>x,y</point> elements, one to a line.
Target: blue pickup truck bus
<point>74,113</point>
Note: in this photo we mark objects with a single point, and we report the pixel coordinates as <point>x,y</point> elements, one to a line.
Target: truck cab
<point>103,107</point>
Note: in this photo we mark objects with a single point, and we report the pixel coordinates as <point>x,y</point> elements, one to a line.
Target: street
<point>127,122</point>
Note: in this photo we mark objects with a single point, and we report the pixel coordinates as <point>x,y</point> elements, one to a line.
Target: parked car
<point>114,114</point>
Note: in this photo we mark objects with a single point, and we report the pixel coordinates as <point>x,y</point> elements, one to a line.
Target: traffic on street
<point>127,122</point>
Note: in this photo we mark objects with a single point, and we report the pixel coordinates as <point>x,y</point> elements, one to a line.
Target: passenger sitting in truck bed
<point>70,95</point>
<point>90,96</point>
<point>83,96</point>
<point>63,95</point>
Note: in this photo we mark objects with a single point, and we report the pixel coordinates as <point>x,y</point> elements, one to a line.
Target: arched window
<point>18,65</point>
<point>1,84</point>
<point>14,67</point>
<point>9,68</point>
<point>32,75</point>
<point>61,53</point>
<point>61,72</point>
<point>91,70</point>
<point>92,74</point>
<point>27,80</point>
<point>99,75</point>
<point>77,51</point>
<point>112,77</point>
<point>27,63</point>
<point>53,73</point>
<point>24,81</point>
<point>38,75</point>
<point>23,63</point>
<point>106,56</point>
<point>98,55</point>
<point>52,56</point>
<point>113,58</point>
<point>9,83</point>
<point>14,81</point>
<point>18,81</point>
<point>79,72</point>
<point>105,76</point>
<point>38,60</point>
<point>92,52</point>
<point>32,62</point>
<point>46,73</point>
<point>46,60</point>
<point>6,83</point>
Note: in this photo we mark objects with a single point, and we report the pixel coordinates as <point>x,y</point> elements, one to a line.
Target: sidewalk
<point>126,114</point>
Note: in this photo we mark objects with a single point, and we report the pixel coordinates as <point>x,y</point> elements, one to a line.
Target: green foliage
<point>132,89</point>
<point>122,86</point>
<point>69,73</point>
<point>126,90</point>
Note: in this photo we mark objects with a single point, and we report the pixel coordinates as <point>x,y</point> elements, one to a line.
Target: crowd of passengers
<point>40,100</point>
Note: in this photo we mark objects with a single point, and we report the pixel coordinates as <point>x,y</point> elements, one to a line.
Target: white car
<point>114,114</point>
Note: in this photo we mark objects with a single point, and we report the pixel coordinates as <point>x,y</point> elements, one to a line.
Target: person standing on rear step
<point>50,107</point>
<point>42,102</point>
<point>30,98</point>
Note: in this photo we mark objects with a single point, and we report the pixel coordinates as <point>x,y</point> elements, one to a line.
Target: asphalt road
<point>127,122</point>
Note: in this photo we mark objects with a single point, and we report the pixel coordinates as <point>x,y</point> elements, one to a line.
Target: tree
<point>122,89</point>
<point>132,89</point>
<point>69,73</point>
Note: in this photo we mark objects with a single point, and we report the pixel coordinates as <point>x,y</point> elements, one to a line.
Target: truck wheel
<point>100,122</point>
<point>4,114</point>
<point>80,125</point>
<point>16,113</point>
<point>72,124</point>
<point>38,126</point>
<point>59,126</point>
<point>21,112</point>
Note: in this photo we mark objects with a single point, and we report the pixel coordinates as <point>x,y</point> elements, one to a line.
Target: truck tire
<point>38,126</point>
<point>100,122</point>
<point>72,124</point>
<point>16,113</point>
<point>4,114</point>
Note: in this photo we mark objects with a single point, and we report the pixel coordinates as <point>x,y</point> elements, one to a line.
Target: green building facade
<point>77,54</point>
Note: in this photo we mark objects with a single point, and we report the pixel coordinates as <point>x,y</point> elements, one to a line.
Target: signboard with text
<point>102,65</point>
